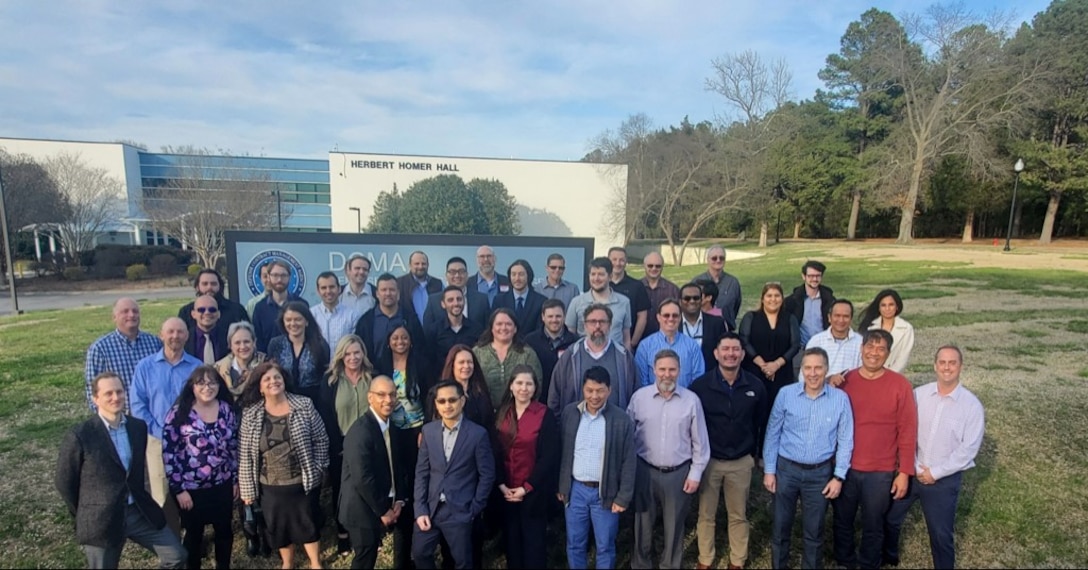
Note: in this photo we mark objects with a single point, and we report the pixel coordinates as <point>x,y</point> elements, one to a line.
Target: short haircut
<point>207,271</point>
<point>842,302</point>
<point>525,265</point>
<point>872,335</point>
<point>949,347</point>
<point>598,374</point>
<point>102,376</point>
<point>447,384</point>
<point>818,352</point>
<point>597,307</point>
<point>280,263</point>
<point>729,335</point>
<point>601,263</point>
<point>240,326</point>
<point>616,248</point>
<point>386,277</point>
<point>451,288</point>
<point>668,301</point>
<point>551,304</point>
<point>327,275</point>
<point>814,265</point>
<point>554,257</point>
<point>356,257</point>
<point>713,248</point>
<point>456,259</point>
<point>666,353</point>
<point>692,285</point>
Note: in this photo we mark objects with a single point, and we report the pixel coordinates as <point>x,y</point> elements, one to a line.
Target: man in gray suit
<point>100,476</point>
<point>455,471</point>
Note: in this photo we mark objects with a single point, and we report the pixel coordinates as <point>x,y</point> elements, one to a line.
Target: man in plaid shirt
<point>120,350</point>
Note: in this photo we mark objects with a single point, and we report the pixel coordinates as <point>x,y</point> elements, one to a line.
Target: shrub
<point>163,264</point>
<point>193,269</point>
<point>74,274</point>
<point>135,272</point>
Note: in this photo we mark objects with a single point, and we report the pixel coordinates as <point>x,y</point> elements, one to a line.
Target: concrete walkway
<point>30,302</point>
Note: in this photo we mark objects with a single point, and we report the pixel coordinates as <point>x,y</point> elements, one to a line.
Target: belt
<point>806,466</point>
<point>590,484</point>
<point>668,469</point>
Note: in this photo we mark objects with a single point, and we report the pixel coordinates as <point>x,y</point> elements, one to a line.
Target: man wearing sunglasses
<point>555,287</point>
<point>209,282</point>
<point>729,297</point>
<point>207,337</point>
<point>701,326</point>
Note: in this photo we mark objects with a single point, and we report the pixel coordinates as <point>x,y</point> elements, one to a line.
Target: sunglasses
<point>653,266</point>
<point>718,258</point>
<point>670,315</point>
<point>691,298</point>
<point>558,267</point>
<point>203,310</point>
<point>444,401</point>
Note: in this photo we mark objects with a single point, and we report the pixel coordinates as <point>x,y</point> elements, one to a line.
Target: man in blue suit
<point>455,471</point>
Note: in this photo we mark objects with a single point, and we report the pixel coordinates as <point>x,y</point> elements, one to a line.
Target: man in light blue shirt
<point>334,318</point>
<point>156,384</point>
<point>811,424</point>
<point>668,336</point>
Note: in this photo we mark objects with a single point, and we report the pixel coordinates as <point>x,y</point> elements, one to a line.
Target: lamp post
<point>358,220</point>
<point>1018,167</point>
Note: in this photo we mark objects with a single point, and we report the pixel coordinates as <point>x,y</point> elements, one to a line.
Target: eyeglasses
<point>596,322</point>
<point>690,298</point>
<point>653,266</point>
<point>718,258</point>
<point>279,275</point>
<point>457,271</point>
<point>203,310</point>
<point>444,401</point>
<point>558,267</point>
<point>207,382</point>
<point>812,275</point>
<point>670,315</point>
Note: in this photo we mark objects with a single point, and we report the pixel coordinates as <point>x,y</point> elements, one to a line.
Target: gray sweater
<point>618,474</point>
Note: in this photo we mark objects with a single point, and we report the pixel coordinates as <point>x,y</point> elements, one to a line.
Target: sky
<point>505,79</point>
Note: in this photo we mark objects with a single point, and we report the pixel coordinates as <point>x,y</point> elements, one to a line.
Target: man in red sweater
<point>885,435</point>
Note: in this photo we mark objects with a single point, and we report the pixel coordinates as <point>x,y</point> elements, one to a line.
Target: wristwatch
<point>837,478</point>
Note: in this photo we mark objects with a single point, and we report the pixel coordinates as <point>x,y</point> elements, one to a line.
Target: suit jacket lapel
<point>457,445</point>
<point>100,426</point>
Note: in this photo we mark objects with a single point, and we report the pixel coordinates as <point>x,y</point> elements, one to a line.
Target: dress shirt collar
<point>596,355</point>
<point>585,411</point>
<point>933,390</point>
<point>120,425</point>
<point>456,426</point>
<point>384,425</point>
<point>804,393</point>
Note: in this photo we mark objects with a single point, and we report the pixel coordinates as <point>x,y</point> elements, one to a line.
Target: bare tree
<point>207,196</point>
<point>95,201</point>
<point>632,196</point>
<point>958,87</point>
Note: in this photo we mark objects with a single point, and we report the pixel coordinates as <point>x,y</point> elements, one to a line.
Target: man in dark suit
<point>703,327</point>
<point>208,334</point>
<point>209,282</point>
<point>375,484</point>
<point>454,475</point>
<point>100,476</point>
<point>376,324</point>
<point>521,298</point>
<point>477,307</point>
<point>417,285</point>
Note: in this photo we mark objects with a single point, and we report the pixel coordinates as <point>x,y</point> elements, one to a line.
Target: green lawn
<point>1024,334</point>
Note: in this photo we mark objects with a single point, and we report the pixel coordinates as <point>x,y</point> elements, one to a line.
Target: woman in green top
<point>343,398</point>
<point>499,352</point>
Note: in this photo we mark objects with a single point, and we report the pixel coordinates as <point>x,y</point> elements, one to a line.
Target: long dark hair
<point>311,336</point>
<point>251,394</point>
<point>488,337</point>
<point>187,398</point>
<point>508,430</point>
<point>414,382</point>
<point>872,312</point>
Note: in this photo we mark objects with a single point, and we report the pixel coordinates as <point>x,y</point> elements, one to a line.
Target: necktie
<point>521,305</point>
<point>209,350</point>
<point>389,452</point>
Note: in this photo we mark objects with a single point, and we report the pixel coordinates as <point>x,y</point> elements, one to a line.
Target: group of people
<point>442,413</point>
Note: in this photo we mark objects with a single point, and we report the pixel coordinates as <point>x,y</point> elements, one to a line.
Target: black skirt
<point>290,514</point>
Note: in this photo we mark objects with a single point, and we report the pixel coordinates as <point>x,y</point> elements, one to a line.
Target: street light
<point>1018,167</point>
<point>358,219</point>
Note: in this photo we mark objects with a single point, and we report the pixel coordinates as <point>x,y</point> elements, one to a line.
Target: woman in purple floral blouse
<point>200,454</point>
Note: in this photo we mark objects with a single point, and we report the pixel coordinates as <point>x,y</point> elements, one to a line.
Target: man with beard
<point>596,349</point>
<point>266,314</point>
<point>485,280</point>
<point>207,337</point>
<point>477,308</point>
<point>549,342</point>
<point>417,285</point>
<point>454,329</point>
<point>601,293</point>
<point>671,443</point>
<point>209,282</point>
<point>521,299</point>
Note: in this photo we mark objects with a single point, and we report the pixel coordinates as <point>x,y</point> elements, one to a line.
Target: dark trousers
<point>939,509</point>
<point>526,534</point>
<point>871,491</point>
<point>211,506</point>
<point>160,541</point>
<point>336,466</point>
<point>795,482</point>
<point>478,534</point>
<point>365,541</point>
<point>666,497</point>
<point>458,536</point>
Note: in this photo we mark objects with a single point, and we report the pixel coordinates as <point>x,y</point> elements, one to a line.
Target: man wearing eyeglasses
<point>699,325</point>
<point>596,349</point>
<point>207,338</point>
<point>266,314</point>
<point>729,297</point>
<point>689,353</point>
<point>657,288</point>
<point>811,303</point>
<point>476,307</point>
<point>555,287</point>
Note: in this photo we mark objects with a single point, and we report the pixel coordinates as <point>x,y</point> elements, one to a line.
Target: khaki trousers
<point>158,486</point>
<point>736,477</point>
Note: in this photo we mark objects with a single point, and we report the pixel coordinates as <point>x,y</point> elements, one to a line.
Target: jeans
<point>162,541</point>
<point>583,511</point>
<point>871,491</point>
<point>939,509</point>
<point>793,483</point>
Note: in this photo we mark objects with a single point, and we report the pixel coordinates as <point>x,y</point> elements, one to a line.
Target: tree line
<point>914,134</point>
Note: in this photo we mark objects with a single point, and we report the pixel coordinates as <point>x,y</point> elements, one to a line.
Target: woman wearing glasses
<point>200,457</point>
<point>771,337</point>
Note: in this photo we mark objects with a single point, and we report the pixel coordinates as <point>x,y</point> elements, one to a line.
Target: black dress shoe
<point>252,548</point>
<point>343,546</point>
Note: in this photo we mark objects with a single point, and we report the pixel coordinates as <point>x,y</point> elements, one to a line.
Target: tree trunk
<point>763,234</point>
<point>1051,214</point>
<point>855,210</point>
<point>906,220</point>
<point>797,229</point>
<point>969,226</point>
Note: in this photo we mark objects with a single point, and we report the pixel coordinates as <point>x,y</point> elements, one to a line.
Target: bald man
<point>658,288</point>
<point>156,384</point>
<point>120,350</point>
<point>486,280</point>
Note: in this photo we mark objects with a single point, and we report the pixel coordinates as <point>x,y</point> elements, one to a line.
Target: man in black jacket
<point>416,286</point>
<point>100,476</point>
<point>376,482</point>
<point>811,303</point>
<point>703,327</point>
<point>736,407</point>
<point>550,341</point>
<point>209,282</point>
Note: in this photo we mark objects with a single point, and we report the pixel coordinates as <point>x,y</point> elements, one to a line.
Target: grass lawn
<point>1024,333</point>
